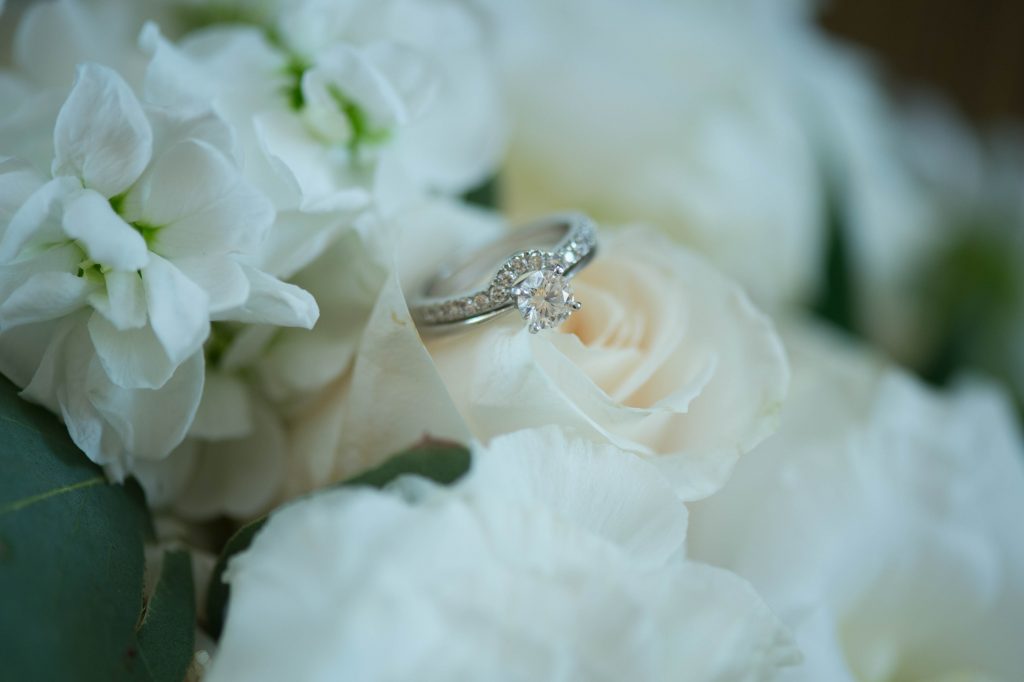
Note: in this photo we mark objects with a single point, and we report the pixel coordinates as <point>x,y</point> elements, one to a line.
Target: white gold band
<point>487,283</point>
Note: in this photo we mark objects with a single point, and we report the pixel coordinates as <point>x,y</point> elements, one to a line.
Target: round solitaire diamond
<point>544,299</point>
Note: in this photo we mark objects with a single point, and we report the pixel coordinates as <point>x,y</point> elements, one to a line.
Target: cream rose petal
<point>687,371</point>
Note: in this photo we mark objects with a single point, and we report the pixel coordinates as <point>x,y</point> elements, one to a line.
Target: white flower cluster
<point>165,204</point>
<point>213,215</point>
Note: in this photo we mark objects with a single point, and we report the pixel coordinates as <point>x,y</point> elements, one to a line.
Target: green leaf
<point>836,301</point>
<point>218,592</point>
<point>439,461</point>
<point>71,556</point>
<point>167,632</point>
<point>487,194</point>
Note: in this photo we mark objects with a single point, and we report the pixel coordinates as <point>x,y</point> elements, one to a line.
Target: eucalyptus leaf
<point>439,461</point>
<point>72,561</point>
<point>167,632</point>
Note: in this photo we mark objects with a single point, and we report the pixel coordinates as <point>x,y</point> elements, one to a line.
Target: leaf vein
<point>18,505</point>
<point>19,423</point>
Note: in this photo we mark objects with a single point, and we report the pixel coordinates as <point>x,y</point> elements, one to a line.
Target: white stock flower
<point>553,559</point>
<point>349,110</point>
<point>455,144</point>
<point>49,41</point>
<point>882,523</point>
<point>673,114</point>
<point>236,457</point>
<point>140,236</point>
<point>667,358</point>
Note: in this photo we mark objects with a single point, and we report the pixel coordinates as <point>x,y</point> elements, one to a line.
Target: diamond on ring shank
<point>545,299</point>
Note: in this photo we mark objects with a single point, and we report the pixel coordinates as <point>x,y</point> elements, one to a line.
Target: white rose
<point>672,114</point>
<point>552,559</point>
<point>667,358</point>
<point>882,522</point>
<point>141,234</point>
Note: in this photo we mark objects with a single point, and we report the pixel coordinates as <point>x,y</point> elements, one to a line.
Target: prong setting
<point>534,281</point>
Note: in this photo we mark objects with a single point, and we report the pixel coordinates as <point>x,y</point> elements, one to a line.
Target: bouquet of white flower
<point>469,339</point>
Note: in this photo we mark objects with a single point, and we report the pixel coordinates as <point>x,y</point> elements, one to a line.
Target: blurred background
<point>971,54</point>
<point>972,51</point>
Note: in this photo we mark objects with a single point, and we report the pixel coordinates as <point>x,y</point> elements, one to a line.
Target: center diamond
<point>545,299</point>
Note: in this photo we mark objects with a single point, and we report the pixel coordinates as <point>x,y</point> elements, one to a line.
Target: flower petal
<point>224,411</point>
<point>23,348</point>
<point>239,477</point>
<point>44,296</point>
<point>201,203</point>
<point>18,181</point>
<point>223,280</point>
<point>64,258</point>
<point>178,309</point>
<point>531,467</point>
<point>102,135</point>
<point>26,122</point>
<point>38,219</point>
<point>150,423</point>
<point>131,358</point>
<point>164,479</point>
<point>53,37</point>
<point>183,179</point>
<point>272,301</point>
<point>313,167</point>
<point>124,300</point>
<point>104,235</point>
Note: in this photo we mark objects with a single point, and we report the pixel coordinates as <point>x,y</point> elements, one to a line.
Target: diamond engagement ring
<point>535,278</point>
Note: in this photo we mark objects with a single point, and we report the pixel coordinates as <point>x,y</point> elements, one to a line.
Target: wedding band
<point>535,278</point>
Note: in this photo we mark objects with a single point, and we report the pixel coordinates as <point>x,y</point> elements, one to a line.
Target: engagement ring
<point>529,270</point>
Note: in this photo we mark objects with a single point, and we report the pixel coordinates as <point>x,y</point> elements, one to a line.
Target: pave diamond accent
<point>536,282</point>
<point>545,299</point>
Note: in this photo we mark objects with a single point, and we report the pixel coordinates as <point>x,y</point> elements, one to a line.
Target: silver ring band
<point>536,260</point>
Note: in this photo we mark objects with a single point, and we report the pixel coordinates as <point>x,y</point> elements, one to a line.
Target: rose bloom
<point>881,522</point>
<point>667,359</point>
